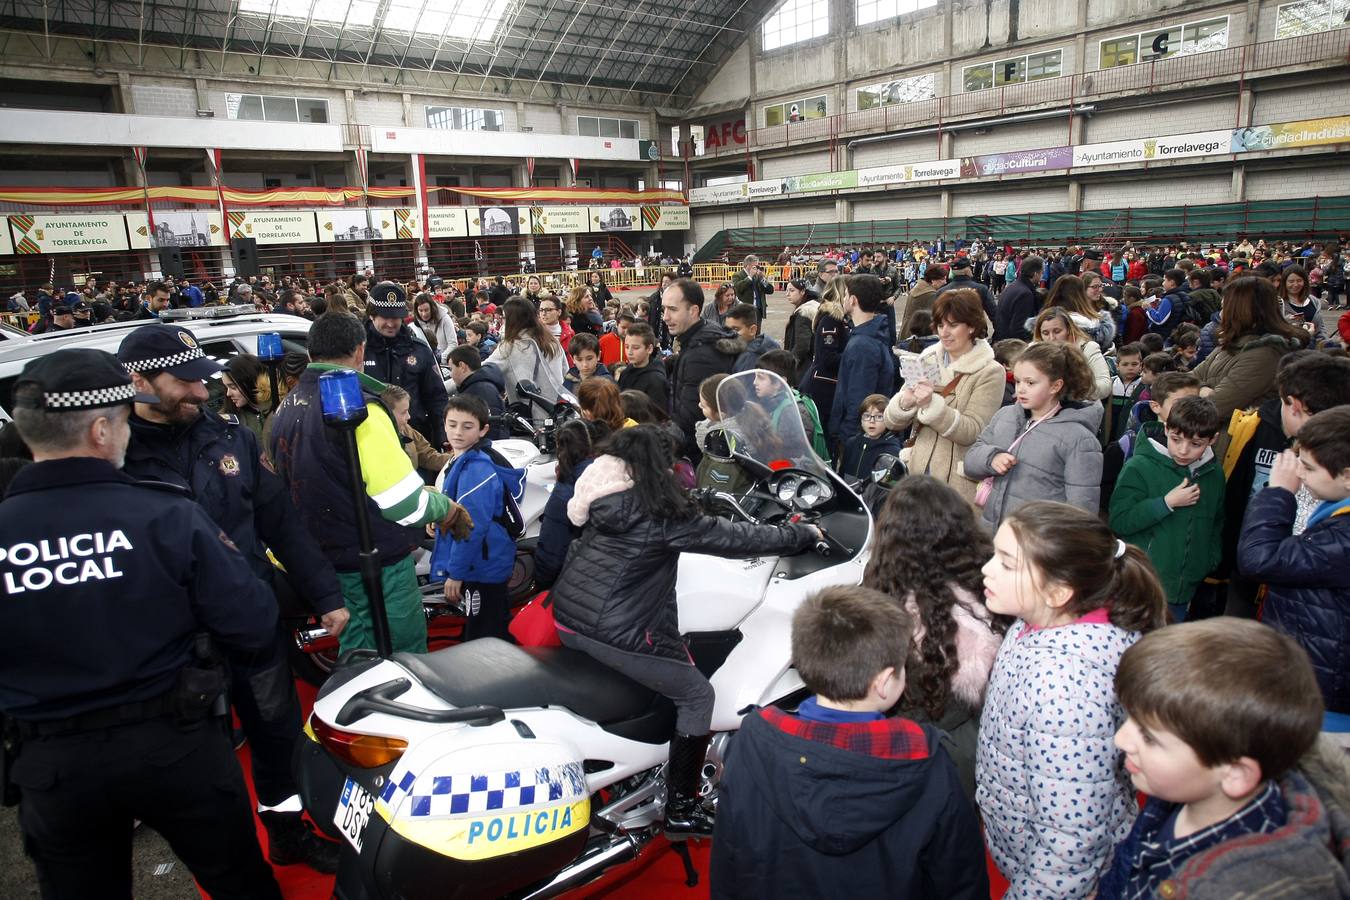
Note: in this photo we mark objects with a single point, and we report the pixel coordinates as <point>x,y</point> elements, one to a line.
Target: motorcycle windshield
<point>764,420</point>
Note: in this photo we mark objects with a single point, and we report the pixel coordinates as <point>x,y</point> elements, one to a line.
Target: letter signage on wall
<point>448,221</point>
<point>724,134</point>
<point>274,227</point>
<point>68,234</point>
<point>560,219</point>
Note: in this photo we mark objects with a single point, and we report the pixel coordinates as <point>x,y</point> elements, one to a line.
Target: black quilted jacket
<point>618,585</point>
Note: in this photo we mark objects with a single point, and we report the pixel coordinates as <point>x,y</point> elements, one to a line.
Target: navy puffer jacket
<point>1306,579</point>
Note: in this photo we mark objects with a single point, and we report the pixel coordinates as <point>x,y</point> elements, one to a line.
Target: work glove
<point>457,523</point>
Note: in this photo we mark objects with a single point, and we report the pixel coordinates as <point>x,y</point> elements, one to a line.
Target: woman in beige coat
<point>947,418</point>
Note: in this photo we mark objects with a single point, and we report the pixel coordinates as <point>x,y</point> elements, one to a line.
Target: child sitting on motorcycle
<point>837,800</point>
<point>615,598</point>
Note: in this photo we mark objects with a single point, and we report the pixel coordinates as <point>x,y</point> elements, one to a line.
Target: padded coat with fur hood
<point>950,425</point>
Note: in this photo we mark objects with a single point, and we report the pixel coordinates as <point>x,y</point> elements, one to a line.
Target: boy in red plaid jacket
<point>838,800</point>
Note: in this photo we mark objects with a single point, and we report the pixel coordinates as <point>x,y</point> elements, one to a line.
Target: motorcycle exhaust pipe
<point>593,860</point>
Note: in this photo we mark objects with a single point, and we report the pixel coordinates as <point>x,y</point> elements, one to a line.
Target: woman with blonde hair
<point>1058,325</point>
<point>1070,294</point>
<point>584,317</point>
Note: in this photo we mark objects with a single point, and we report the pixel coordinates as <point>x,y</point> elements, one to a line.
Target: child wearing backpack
<point>477,569</point>
<point>1051,787</point>
<point>782,364</point>
<point>1166,313</point>
<point>1045,445</point>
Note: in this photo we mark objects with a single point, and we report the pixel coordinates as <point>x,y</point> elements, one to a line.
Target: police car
<point>222,332</point>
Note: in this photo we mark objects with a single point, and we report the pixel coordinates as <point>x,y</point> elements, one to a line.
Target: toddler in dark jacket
<point>837,800</point>
<point>862,450</point>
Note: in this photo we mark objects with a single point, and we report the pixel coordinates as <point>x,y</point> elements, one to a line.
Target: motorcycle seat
<point>496,673</point>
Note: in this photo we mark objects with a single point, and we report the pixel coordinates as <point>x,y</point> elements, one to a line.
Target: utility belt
<point>197,695</point>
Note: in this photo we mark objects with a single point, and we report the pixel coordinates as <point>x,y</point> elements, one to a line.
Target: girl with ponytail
<point>1049,781</point>
<point>1044,446</point>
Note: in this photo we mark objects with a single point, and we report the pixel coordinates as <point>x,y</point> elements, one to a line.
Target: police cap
<point>154,348</point>
<point>388,300</point>
<point>77,379</point>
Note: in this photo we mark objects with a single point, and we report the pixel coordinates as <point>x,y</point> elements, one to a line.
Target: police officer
<point>394,355</point>
<point>110,587</point>
<point>176,440</point>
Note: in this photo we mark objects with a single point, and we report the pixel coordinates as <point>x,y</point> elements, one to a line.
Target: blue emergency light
<point>341,398</point>
<point>270,348</point>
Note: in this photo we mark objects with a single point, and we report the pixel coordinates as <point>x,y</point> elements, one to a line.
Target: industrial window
<point>795,21</point>
<point>902,90</point>
<point>276,109</point>
<point>868,11</point>
<point>791,111</point>
<point>1161,43</point>
<point>452,19</point>
<point>464,118</point>
<point>599,126</point>
<point>1310,17</point>
<point>1013,70</point>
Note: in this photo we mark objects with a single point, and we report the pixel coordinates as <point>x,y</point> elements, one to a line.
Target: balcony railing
<point>1164,74</point>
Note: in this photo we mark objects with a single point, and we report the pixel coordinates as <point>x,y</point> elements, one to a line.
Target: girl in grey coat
<point>1044,446</point>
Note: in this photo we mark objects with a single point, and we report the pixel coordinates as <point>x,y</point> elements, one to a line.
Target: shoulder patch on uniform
<point>164,486</point>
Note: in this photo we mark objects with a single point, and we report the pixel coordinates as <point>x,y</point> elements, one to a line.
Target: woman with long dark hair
<point>615,598</point>
<point>528,351</point>
<point>600,291</point>
<point>436,324</point>
<point>1252,336</point>
<point>576,440</point>
<point>1297,301</point>
<point>931,564</point>
<point>248,392</point>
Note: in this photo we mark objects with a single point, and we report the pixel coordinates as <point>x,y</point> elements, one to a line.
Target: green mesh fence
<point>1304,218</point>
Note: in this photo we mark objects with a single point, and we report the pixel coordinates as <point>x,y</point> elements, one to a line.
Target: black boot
<point>290,841</point>
<point>685,815</point>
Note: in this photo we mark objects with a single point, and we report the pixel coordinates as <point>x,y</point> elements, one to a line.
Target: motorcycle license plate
<point>353,812</point>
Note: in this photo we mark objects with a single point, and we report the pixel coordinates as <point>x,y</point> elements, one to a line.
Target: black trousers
<point>269,714</point>
<point>82,792</point>
<point>489,611</point>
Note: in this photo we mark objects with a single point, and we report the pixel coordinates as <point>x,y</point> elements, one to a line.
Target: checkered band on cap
<point>164,362</point>
<point>108,396</point>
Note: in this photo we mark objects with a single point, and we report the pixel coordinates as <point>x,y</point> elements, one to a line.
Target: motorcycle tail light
<point>364,751</point>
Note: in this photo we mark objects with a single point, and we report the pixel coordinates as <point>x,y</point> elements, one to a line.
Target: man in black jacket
<point>1019,301</point>
<point>395,356</point>
<point>659,328</point>
<point>962,277</point>
<point>705,348</point>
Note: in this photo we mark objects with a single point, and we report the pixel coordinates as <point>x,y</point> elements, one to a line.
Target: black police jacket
<point>218,462</point>
<point>311,458</point>
<point>106,582</point>
<point>407,362</point>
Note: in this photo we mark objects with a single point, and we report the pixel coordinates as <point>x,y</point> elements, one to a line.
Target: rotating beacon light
<point>271,351</point>
<point>344,408</point>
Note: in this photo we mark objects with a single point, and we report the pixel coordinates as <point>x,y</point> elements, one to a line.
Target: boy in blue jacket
<point>477,569</point>
<point>1307,590</point>
<point>837,800</point>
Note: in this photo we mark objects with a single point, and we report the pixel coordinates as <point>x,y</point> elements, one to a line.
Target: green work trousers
<point>402,603</point>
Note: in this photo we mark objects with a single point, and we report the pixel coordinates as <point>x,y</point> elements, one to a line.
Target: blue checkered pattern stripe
<point>468,793</point>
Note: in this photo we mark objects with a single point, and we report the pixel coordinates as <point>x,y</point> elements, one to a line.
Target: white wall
<point>1006,138</point>
<point>1329,180</point>
<point>730,82</point>
<point>1211,114</point>
<point>907,150</point>
<point>1009,198</point>
<point>1159,191</point>
<point>899,205</point>
<point>436,142</point>
<point>798,214</point>
<point>707,224</point>
<point>115,130</point>
<point>796,164</point>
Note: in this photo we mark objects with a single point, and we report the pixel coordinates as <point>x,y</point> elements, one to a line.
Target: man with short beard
<point>216,459</point>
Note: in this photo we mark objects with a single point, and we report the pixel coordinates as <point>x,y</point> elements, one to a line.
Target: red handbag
<point>533,626</point>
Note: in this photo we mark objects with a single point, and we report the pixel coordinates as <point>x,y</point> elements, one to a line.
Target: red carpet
<point>658,873</point>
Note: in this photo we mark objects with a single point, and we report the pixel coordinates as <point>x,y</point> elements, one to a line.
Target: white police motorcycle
<point>491,770</point>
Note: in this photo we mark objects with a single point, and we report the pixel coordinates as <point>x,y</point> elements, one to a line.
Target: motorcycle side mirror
<point>888,470</point>
<point>718,446</point>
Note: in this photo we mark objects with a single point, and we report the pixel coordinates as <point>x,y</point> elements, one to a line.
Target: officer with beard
<point>176,440</point>
<point>111,586</point>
